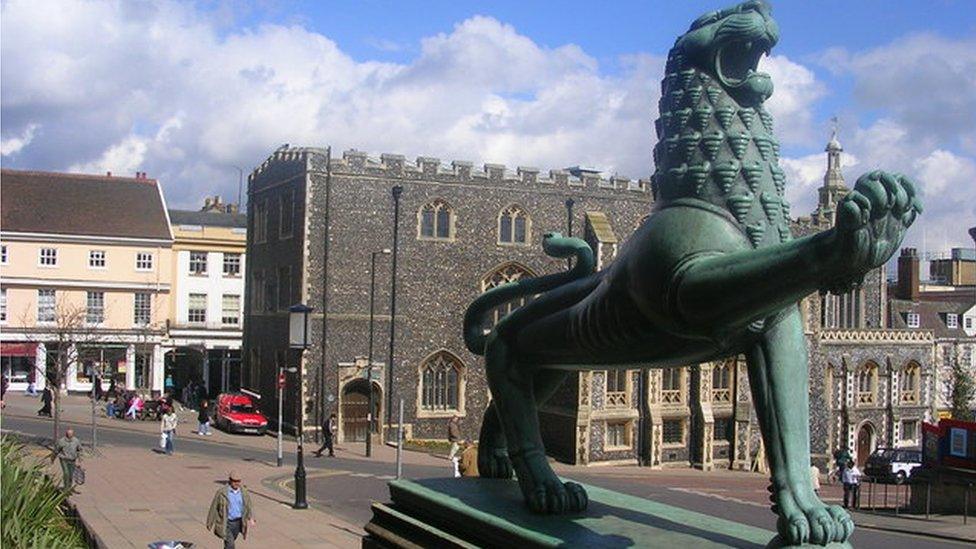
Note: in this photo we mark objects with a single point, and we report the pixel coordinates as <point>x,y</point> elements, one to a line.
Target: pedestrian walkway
<point>133,496</point>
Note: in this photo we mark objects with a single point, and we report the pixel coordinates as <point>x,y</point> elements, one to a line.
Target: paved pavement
<point>134,495</point>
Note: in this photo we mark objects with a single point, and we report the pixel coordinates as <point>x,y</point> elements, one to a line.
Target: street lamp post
<point>397,191</point>
<point>281,402</point>
<point>298,339</point>
<point>369,357</point>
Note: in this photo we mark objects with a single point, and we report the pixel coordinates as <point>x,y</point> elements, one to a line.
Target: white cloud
<point>796,91</point>
<point>103,78</point>
<point>13,145</point>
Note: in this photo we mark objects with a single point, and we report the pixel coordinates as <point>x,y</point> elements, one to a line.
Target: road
<point>346,485</point>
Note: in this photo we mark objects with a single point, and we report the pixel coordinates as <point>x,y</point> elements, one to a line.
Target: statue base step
<point>475,512</point>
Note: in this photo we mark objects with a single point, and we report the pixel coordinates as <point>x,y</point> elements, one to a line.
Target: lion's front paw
<point>805,519</point>
<point>494,462</point>
<point>872,219</point>
<point>554,497</point>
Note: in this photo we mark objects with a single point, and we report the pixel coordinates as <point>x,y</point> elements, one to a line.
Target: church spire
<point>833,188</point>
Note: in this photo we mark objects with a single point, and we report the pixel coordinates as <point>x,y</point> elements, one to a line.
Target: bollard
<point>885,505</point>
<point>871,494</point>
<point>928,499</point>
<point>399,447</point>
<point>965,505</point>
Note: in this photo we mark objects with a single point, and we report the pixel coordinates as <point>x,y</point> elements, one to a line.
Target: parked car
<point>893,464</point>
<point>236,413</point>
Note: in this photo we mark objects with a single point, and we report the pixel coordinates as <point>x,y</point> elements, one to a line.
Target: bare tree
<point>67,337</point>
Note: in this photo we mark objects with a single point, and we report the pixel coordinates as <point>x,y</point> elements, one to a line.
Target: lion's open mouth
<point>737,61</point>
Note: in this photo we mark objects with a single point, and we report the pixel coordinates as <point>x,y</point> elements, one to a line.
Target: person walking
<point>46,397</point>
<point>203,417</point>
<point>3,390</point>
<point>851,477</point>
<point>454,437</point>
<point>97,388</point>
<point>815,479</point>
<point>329,429</point>
<point>230,511</point>
<point>68,451</point>
<point>168,427</point>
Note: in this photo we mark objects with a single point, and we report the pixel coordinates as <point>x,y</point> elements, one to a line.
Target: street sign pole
<point>281,392</point>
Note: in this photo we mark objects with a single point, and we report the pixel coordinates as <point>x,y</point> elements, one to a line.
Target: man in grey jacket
<point>230,511</point>
<point>68,452</point>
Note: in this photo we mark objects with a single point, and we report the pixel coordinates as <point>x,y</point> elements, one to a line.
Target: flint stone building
<point>314,224</point>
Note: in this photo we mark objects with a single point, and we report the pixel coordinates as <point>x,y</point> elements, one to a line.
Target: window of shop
<point>230,309</point>
<point>198,263</point>
<point>142,308</point>
<point>144,261</point>
<point>45,305</point>
<point>95,308</point>
<point>96,259</point>
<point>232,264</point>
<point>197,308</point>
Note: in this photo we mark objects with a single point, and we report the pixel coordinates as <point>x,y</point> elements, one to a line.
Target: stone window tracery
<point>441,378</point>
<point>909,383</point>
<point>616,389</point>
<point>513,226</point>
<point>671,385</point>
<point>867,384</point>
<point>436,221</point>
<point>509,272</point>
<point>721,383</point>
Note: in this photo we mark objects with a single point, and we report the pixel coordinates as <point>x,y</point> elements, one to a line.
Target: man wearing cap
<point>230,511</point>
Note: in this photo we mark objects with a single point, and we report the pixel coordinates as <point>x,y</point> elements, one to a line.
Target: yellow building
<point>204,337</point>
<point>85,274</point>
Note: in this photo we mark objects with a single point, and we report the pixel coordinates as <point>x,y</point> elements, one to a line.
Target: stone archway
<point>354,408</point>
<point>865,444</point>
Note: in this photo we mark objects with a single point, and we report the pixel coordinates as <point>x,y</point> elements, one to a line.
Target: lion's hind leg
<point>512,387</point>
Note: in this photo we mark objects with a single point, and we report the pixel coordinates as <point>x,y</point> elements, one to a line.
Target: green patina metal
<point>714,272</point>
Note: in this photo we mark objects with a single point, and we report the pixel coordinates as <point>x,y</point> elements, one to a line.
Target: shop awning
<point>18,349</point>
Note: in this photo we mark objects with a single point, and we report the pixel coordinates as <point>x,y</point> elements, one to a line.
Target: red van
<point>236,413</point>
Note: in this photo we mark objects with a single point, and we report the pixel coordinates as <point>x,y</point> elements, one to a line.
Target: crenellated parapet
<point>396,166</point>
<point>877,336</point>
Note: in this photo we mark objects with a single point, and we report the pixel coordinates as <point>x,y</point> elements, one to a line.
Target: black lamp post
<point>369,356</point>
<point>397,190</point>
<point>298,339</point>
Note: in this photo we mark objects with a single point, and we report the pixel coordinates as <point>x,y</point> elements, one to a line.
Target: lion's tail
<point>555,245</point>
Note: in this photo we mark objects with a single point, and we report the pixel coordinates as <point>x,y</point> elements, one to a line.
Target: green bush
<point>31,503</point>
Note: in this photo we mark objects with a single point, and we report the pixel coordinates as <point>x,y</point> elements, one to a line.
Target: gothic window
<point>909,383</point>
<point>617,389</point>
<point>723,428</point>
<point>671,385</point>
<point>673,431</point>
<point>436,221</point>
<point>509,272</point>
<point>909,430</point>
<point>618,434</point>
<point>721,379</point>
<point>513,226</point>
<point>867,384</point>
<point>441,379</point>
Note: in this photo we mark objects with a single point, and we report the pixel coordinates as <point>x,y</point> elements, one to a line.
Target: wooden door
<point>865,439</point>
<point>354,411</point>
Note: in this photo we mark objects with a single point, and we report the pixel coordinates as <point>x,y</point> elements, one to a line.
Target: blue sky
<point>187,90</point>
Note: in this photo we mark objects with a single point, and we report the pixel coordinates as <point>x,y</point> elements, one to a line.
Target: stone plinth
<point>473,512</point>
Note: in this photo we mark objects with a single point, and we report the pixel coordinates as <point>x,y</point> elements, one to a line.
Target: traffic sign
<point>281,380</point>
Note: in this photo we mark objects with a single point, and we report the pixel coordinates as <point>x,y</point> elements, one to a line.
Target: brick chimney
<point>908,277</point>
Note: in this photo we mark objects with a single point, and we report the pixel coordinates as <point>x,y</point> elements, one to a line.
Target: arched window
<point>671,385</point>
<point>441,379</point>
<point>513,226</point>
<point>436,221</point>
<point>910,383</point>
<point>867,384</point>
<point>509,272</point>
<point>721,379</point>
